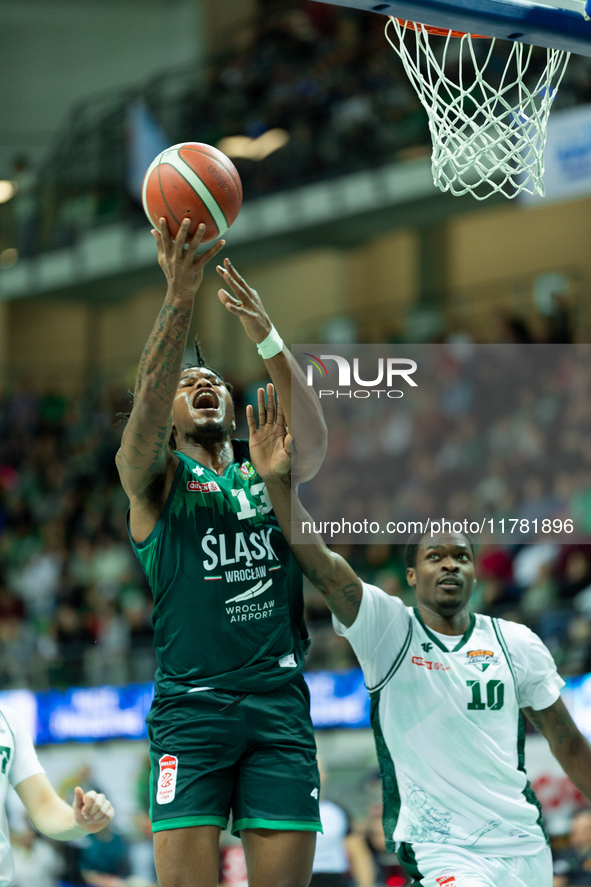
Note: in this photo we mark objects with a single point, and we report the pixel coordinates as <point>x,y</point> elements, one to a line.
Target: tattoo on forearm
<point>349,592</point>
<point>136,447</point>
<point>163,353</point>
<point>556,724</point>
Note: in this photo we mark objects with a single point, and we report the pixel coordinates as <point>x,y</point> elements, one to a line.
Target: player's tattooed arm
<point>144,452</point>
<point>567,743</point>
<point>270,453</point>
<point>341,588</point>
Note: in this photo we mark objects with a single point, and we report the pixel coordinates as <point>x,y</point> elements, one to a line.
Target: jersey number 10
<point>495,695</point>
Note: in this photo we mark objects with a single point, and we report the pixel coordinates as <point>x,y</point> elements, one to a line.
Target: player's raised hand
<point>270,444</point>
<point>182,267</point>
<point>92,811</point>
<point>245,303</point>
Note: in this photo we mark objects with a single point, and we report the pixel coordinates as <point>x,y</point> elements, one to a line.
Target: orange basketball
<point>196,181</point>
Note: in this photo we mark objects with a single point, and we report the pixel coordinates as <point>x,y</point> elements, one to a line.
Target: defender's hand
<point>270,445</point>
<point>182,267</point>
<point>92,811</point>
<point>245,303</point>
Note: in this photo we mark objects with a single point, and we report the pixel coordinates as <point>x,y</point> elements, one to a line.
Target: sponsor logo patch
<point>481,659</point>
<point>447,881</point>
<point>435,666</point>
<point>257,589</point>
<point>193,486</point>
<point>169,765</point>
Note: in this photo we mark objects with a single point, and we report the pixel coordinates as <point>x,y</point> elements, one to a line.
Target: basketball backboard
<point>558,24</point>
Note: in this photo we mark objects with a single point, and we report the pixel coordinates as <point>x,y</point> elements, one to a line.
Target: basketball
<point>195,181</point>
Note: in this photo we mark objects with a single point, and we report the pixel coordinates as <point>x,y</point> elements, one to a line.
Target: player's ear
<point>233,425</point>
<point>411,576</point>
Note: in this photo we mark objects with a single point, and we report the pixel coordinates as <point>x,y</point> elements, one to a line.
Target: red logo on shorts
<point>447,881</point>
<point>167,779</point>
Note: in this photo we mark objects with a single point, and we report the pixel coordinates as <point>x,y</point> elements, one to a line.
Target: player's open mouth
<point>206,399</point>
<point>449,582</point>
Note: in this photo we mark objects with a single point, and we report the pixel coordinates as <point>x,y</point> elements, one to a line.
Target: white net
<point>487,125</point>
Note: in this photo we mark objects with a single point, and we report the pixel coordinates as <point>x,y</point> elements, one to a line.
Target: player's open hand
<point>182,267</point>
<point>245,303</point>
<point>270,444</point>
<point>92,811</point>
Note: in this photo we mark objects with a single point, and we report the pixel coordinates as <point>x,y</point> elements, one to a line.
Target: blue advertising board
<point>94,714</point>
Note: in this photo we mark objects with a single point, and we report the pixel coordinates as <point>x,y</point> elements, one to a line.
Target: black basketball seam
<point>197,195</point>
<point>224,167</point>
<point>164,196</point>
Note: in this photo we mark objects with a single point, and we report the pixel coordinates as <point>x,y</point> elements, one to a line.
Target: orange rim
<point>439,32</point>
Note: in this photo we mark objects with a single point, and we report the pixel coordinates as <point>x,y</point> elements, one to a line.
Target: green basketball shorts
<point>216,752</point>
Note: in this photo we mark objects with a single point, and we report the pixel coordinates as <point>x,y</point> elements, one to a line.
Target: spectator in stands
<point>36,861</point>
<point>573,868</point>
<point>104,859</point>
<point>342,854</point>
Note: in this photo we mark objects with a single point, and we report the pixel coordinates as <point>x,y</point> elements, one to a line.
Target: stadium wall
<point>492,259</point>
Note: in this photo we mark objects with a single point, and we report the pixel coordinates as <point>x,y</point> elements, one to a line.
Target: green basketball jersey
<point>228,605</point>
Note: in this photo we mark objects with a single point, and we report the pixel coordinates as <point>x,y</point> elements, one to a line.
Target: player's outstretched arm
<point>270,453</point>
<point>89,813</point>
<point>144,452</point>
<point>289,380</point>
<point>567,743</point>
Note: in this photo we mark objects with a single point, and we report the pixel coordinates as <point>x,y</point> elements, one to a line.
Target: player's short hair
<point>412,547</point>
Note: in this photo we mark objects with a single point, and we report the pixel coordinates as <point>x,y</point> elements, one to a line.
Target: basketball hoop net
<point>488,137</point>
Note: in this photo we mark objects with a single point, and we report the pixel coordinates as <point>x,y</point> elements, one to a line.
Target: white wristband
<point>270,346</point>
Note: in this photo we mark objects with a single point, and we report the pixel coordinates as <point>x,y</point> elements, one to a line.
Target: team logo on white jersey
<point>169,766</point>
<point>481,659</point>
<point>434,666</point>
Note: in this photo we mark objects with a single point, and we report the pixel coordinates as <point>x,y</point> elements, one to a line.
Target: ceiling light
<point>254,149</point>
<point>7,190</point>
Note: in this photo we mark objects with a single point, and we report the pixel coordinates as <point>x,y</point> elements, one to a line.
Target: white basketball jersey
<point>448,728</point>
<point>18,761</point>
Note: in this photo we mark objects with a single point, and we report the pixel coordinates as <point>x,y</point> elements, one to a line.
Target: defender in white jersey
<point>20,767</point>
<point>448,689</point>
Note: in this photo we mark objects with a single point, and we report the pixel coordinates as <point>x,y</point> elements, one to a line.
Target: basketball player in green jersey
<point>447,689</point>
<point>230,728</point>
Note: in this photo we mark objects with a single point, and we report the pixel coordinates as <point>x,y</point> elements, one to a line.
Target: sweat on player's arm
<point>270,452</point>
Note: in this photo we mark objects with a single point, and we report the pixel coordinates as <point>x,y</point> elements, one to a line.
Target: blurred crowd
<point>325,75</point>
<point>498,434</point>
<point>75,608</point>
